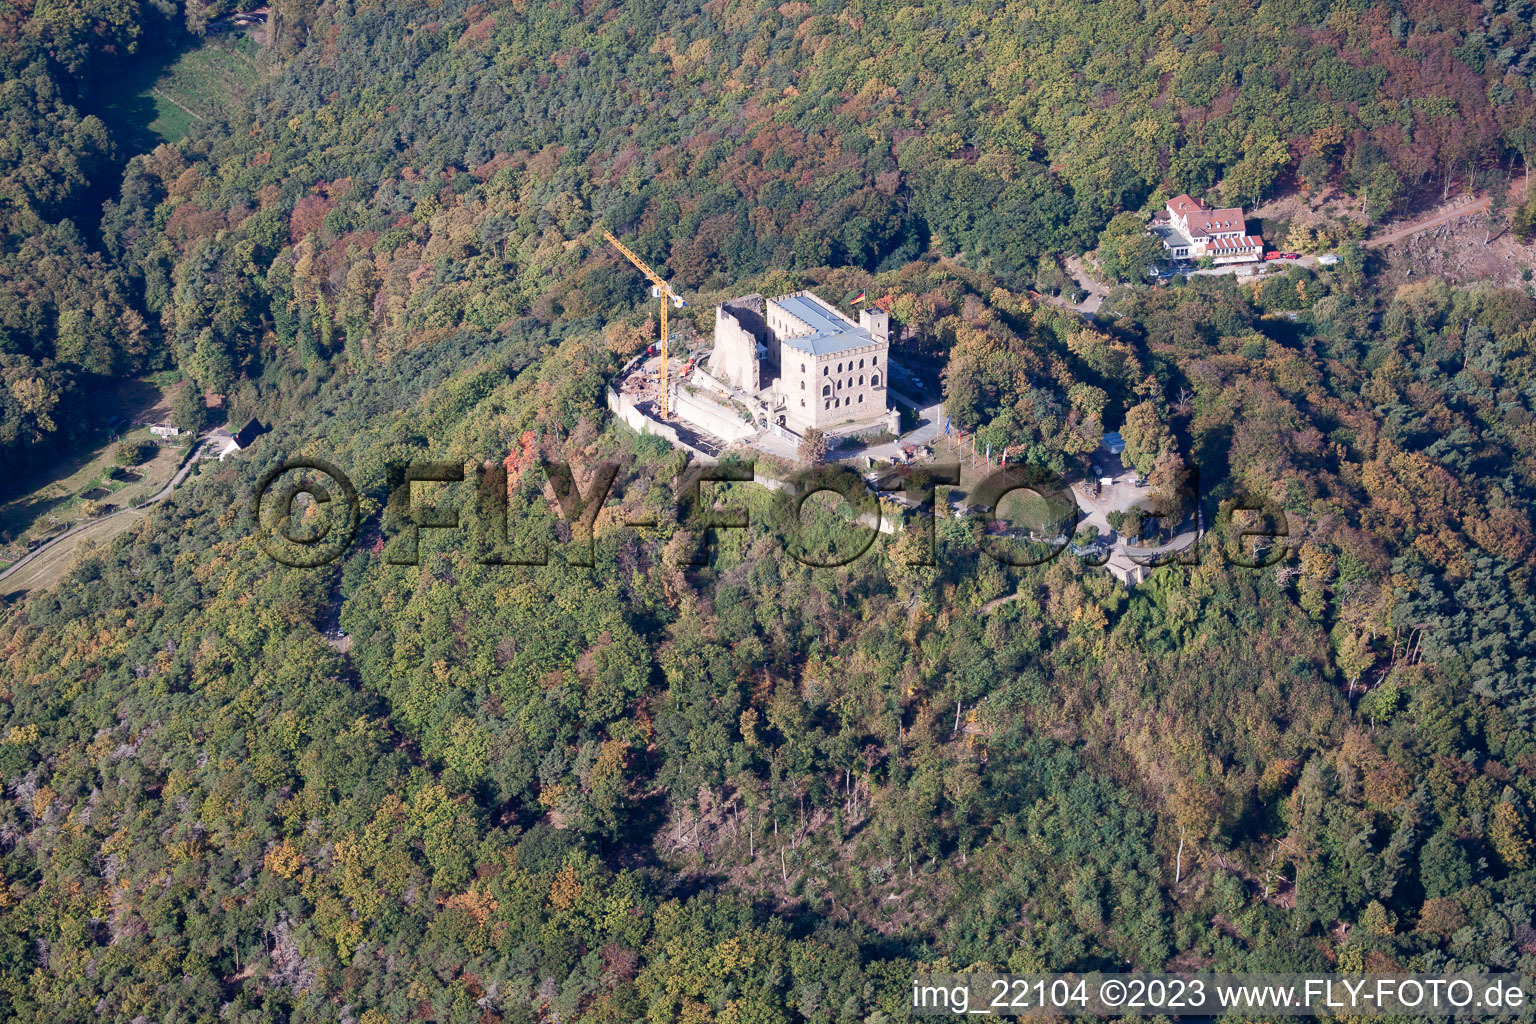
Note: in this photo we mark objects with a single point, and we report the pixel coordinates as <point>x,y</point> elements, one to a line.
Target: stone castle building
<point>804,363</point>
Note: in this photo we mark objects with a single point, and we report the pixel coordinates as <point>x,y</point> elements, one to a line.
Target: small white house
<point>165,430</point>
<point>226,443</point>
<point>1126,569</point>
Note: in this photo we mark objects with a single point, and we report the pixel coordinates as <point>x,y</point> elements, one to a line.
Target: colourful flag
<point>858,300</point>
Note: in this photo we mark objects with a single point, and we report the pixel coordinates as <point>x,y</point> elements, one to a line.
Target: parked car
<point>1290,255</point>
<point>1273,256</point>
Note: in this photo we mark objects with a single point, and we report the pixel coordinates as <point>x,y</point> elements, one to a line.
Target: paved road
<point>930,424</point>
<point>45,558</point>
<point>1097,292</point>
<point>773,444</point>
<point>1086,309</point>
<point>1120,494</point>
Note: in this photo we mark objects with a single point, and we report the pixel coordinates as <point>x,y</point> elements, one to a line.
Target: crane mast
<point>664,292</point>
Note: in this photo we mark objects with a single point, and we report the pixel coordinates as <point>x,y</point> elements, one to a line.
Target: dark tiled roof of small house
<point>250,432</point>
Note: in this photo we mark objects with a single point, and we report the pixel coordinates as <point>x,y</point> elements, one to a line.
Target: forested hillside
<point>754,790</point>
<point>71,316</point>
<point>414,168</point>
<point>763,791</point>
<point>727,140</point>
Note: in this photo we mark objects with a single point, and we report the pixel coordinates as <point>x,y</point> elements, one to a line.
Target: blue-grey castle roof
<point>830,332</point>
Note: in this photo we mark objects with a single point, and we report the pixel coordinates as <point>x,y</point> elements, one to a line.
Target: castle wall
<point>735,355</point>
<point>630,414</point>
<point>723,421</point>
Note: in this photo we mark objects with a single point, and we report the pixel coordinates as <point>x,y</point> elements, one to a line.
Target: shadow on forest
<point>121,98</point>
<point>129,115</point>
<point>125,398</point>
<point>18,517</point>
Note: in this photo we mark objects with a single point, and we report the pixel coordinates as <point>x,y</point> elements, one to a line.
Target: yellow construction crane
<point>663,291</point>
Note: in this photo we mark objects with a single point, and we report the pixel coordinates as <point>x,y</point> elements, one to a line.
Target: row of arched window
<point>826,389</point>
<point>826,371</point>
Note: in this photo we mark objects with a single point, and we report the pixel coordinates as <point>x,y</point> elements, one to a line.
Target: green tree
<point>1147,438</point>
<point>213,363</point>
<point>1444,869</point>
<point>188,410</point>
<point>1380,192</point>
<point>1127,250</point>
<point>132,453</point>
<point>1523,223</point>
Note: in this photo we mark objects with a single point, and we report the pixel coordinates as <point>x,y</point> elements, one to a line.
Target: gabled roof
<point>1184,205</point>
<point>1217,221</point>
<point>1203,220</point>
<point>248,433</point>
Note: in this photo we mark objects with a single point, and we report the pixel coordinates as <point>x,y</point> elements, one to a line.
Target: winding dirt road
<point>1432,221</point>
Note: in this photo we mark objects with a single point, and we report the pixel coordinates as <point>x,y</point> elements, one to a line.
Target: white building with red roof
<point>1191,230</point>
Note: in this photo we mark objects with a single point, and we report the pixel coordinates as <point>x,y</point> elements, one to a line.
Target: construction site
<point>775,370</point>
<point>636,399</point>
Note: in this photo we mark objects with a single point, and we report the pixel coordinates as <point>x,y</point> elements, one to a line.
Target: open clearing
<point>160,101</point>
<point>57,495</point>
<point>44,567</point>
<point>52,562</point>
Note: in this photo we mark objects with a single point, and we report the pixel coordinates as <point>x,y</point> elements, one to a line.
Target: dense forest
<point>754,790</point>
<point>408,168</point>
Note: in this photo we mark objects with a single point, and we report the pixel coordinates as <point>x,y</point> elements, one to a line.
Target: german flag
<point>857,299</point>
